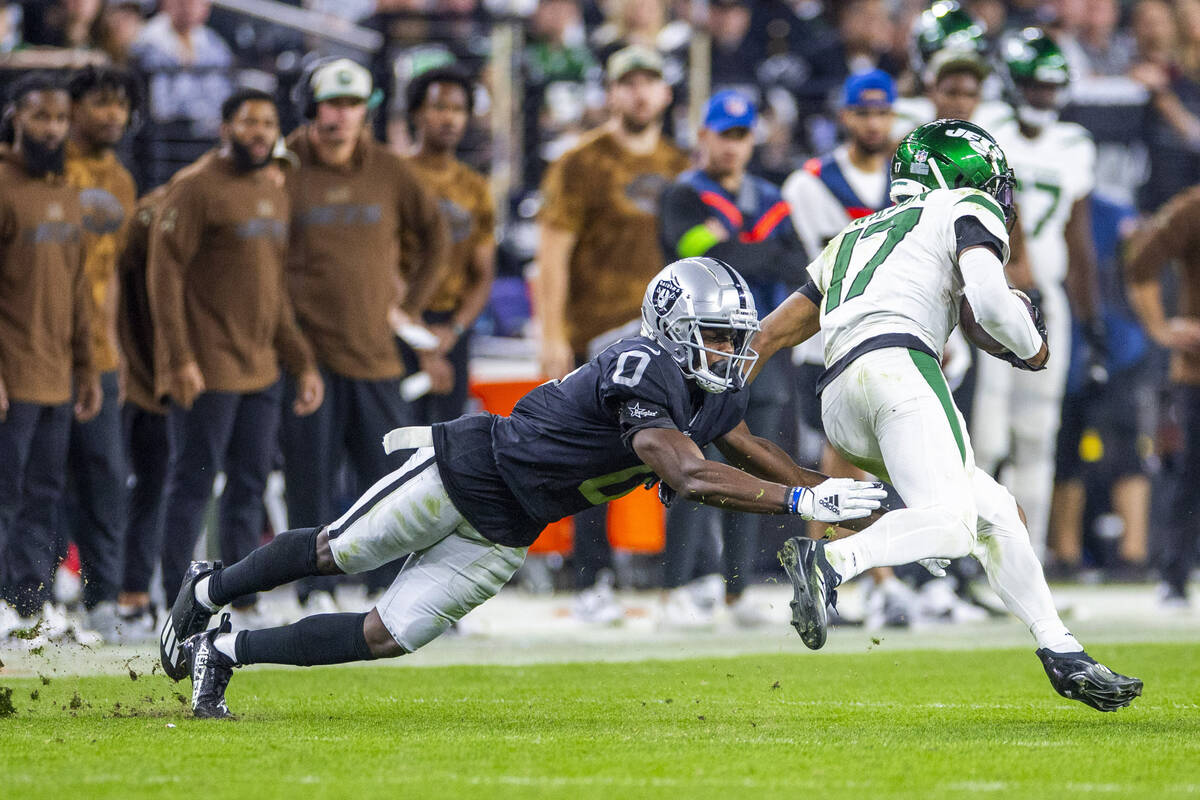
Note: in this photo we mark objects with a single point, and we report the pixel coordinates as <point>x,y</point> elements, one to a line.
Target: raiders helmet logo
<point>665,295</point>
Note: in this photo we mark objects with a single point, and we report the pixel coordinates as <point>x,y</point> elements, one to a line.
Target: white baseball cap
<point>341,78</point>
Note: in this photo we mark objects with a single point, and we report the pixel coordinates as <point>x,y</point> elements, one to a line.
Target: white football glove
<point>936,566</point>
<point>837,500</point>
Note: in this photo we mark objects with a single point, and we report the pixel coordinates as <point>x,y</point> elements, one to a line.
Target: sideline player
<point>1016,415</point>
<point>479,489</point>
<point>889,288</point>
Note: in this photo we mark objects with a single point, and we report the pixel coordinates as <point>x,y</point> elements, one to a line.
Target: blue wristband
<point>793,501</point>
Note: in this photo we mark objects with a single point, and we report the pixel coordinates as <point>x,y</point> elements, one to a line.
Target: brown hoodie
<point>45,305</point>
<point>357,232</point>
<point>215,279</point>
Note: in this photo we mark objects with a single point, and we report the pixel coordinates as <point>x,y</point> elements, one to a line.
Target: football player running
<point>888,290</point>
<point>1017,415</point>
<point>479,489</point>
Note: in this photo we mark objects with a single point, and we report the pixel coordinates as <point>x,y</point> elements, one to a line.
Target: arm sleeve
<point>811,291</point>
<point>174,240</point>
<point>977,212</point>
<point>681,219</point>
<point>564,203</point>
<point>998,310</point>
<point>294,350</point>
<point>81,336</point>
<point>424,237</point>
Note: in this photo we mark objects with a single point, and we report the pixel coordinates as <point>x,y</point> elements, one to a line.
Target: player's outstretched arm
<point>795,320</point>
<point>765,459</point>
<point>681,464</point>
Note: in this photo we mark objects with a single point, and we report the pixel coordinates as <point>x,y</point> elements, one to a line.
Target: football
<point>974,332</point>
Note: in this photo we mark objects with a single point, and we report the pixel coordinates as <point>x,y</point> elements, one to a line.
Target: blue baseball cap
<point>729,109</point>
<point>874,81</point>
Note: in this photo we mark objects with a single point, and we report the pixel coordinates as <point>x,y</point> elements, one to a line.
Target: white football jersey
<point>896,271</point>
<point>1053,172</point>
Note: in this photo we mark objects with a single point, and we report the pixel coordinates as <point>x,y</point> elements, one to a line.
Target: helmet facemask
<point>701,294</point>
<point>716,370</point>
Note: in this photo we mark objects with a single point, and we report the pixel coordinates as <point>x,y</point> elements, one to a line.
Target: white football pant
<point>452,567</point>
<point>890,413</point>
<point>1017,415</point>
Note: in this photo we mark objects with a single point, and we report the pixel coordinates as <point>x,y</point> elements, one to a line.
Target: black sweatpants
<point>33,468</point>
<point>1182,531</point>
<point>348,427</point>
<point>226,431</point>
<point>443,407</point>
<point>149,456</point>
<point>97,470</point>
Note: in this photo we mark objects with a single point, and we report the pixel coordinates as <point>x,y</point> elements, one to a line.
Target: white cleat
<point>681,612</point>
<point>598,605</point>
<point>746,613</point>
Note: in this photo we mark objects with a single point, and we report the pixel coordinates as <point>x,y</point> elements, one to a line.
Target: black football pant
<point>1182,531</point>
<point>348,427</point>
<point>149,457</point>
<point>33,467</point>
<point>229,431</point>
<point>96,490</point>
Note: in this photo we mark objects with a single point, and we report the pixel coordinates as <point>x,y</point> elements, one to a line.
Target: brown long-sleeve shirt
<point>45,309</point>
<point>1172,234</point>
<point>107,196</point>
<point>357,232</point>
<point>215,279</point>
<point>608,197</point>
<point>465,200</point>
<point>134,329</point>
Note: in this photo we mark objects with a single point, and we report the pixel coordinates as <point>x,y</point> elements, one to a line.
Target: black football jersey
<point>567,444</point>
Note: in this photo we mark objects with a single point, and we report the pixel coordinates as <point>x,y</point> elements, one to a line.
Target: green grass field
<point>914,724</point>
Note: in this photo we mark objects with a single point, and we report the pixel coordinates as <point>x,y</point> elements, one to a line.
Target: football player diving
<point>479,489</point>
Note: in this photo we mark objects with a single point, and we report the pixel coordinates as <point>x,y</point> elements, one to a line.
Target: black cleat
<point>813,586</point>
<point>1077,676</point>
<point>187,618</point>
<point>211,670</point>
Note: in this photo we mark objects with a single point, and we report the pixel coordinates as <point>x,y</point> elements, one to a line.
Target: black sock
<point>319,639</point>
<point>289,556</point>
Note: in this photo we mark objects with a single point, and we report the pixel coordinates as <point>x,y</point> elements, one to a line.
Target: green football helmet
<point>945,25</point>
<point>952,154</point>
<point>1032,59</point>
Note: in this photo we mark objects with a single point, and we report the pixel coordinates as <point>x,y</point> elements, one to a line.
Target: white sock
<point>224,642</point>
<point>899,537</point>
<point>201,592</point>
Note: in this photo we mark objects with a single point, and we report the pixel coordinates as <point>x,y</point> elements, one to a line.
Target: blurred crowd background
<point>541,75</point>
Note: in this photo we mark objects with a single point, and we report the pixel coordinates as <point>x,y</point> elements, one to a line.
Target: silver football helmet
<point>693,294</point>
